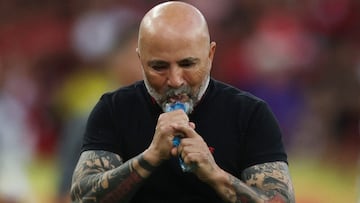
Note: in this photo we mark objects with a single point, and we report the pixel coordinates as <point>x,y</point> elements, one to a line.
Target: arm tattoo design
<point>269,182</point>
<point>102,176</point>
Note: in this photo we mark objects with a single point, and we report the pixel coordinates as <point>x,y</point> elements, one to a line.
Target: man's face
<point>175,68</point>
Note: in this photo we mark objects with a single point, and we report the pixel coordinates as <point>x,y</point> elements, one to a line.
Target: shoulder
<point>230,100</point>
<point>232,94</point>
<point>113,103</point>
<point>124,95</point>
<point>125,91</point>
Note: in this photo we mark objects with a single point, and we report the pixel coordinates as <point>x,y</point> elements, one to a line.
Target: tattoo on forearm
<point>124,188</point>
<point>102,177</point>
<point>269,182</point>
<point>243,194</point>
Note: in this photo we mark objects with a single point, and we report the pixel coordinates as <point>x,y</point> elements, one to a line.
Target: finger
<point>174,151</point>
<point>192,159</point>
<point>178,114</point>
<point>192,125</point>
<point>185,128</point>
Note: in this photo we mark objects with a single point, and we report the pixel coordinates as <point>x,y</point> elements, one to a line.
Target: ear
<point>211,53</point>
<point>138,52</point>
<point>212,50</point>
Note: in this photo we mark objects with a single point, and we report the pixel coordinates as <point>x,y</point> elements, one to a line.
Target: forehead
<point>172,47</point>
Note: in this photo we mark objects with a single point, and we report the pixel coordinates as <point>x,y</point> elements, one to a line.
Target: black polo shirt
<point>239,127</point>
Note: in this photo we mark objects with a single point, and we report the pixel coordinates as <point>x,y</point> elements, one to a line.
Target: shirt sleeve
<point>263,137</point>
<point>100,130</point>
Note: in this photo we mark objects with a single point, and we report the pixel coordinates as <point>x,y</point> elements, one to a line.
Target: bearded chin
<point>188,105</point>
<point>170,96</point>
<point>182,94</point>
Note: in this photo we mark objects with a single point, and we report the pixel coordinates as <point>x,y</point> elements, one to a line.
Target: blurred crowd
<point>58,57</point>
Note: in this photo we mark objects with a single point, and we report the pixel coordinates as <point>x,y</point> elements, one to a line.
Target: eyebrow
<point>191,59</point>
<point>161,62</point>
<point>157,63</point>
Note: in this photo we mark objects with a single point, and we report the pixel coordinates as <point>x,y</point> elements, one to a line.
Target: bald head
<point>175,21</point>
<point>175,52</point>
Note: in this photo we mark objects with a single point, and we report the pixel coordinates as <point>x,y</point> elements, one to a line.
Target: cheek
<point>195,78</point>
<point>158,82</point>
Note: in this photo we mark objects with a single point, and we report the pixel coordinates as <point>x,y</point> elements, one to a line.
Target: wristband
<point>145,164</point>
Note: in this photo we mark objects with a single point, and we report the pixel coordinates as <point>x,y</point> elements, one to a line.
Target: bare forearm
<point>258,185</point>
<point>96,180</point>
<point>240,192</point>
<point>232,189</point>
<point>118,184</point>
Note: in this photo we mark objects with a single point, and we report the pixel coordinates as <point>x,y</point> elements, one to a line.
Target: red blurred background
<point>58,57</point>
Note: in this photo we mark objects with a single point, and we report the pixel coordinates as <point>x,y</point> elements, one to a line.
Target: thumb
<point>174,151</point>
<point>192,125</point>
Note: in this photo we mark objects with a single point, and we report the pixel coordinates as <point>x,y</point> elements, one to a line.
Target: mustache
<point>173,92</point>
<point>182,94</point>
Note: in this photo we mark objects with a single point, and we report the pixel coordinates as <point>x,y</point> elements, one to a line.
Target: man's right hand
<point>162,145</point>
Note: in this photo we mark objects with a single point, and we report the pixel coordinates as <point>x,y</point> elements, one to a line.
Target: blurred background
<point>58,57</point>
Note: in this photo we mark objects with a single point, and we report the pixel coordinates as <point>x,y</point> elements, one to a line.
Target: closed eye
<point>158,65</point>
<point>188,62</point>
<point>159,68</point>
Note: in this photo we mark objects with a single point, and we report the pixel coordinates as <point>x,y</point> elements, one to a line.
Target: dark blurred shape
<point>105,41</point>
<point>302,57</point>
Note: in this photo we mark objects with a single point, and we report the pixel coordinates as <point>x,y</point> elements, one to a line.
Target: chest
<point>222,133</point>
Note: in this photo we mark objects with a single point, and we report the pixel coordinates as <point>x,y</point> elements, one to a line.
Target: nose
<point>175,77</point>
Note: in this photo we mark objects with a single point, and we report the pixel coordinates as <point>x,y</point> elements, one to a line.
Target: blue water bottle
<point>177,139</point>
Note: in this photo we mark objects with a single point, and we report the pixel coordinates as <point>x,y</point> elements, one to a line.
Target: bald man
<point>230,142</point>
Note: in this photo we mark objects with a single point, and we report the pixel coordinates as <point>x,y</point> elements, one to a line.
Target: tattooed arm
<point>101,176</point>
<point>268,182</point>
